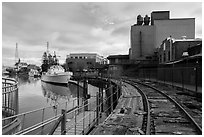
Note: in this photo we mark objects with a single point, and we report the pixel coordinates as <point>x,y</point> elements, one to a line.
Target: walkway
<point>83,122</point>
<point>127,117</point>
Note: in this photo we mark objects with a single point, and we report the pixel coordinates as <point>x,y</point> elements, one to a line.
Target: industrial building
<point>84,61</point>
<point>174,49</point>
<point>146,38</point>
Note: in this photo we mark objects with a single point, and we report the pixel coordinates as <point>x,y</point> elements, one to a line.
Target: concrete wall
<point>174,27</point>
<point>148,37</point>
<point>159,15</point>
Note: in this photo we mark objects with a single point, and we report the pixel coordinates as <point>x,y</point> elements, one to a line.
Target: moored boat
<point>33,73</point>
<point>56,74</point>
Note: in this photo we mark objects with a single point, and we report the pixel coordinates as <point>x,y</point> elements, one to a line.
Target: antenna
<point>16,53</point>
<point>47,48</point>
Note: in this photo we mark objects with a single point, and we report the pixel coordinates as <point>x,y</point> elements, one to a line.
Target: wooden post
<point>63,122</point>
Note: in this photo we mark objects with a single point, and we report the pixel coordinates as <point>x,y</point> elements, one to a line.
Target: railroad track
<point>189,100</point>
<point>167,116</point>
<point>130,117</point>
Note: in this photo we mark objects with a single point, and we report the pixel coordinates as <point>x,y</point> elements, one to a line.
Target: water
<point>35,94</point>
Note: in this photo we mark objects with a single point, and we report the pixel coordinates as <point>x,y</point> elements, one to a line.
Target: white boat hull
<point>59,78</point>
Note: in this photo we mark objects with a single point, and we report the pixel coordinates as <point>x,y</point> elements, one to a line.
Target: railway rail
<point>143,108</point>
<point>167,116</point>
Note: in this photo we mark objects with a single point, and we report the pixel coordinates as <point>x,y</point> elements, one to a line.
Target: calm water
<point>34,94</point>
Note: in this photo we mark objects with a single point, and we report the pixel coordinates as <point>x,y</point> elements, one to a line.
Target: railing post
<point>111,96</point>
<point>16,99</point>
<point>83,120</point>
<point>97,109</point>
<point>23,121</point>
<point>85,92</point>
<point>78,92</point>
<point>63,122</point>
<point>196,79</point>
<point>120,88</point>
<point>75,121</point>
<point>42,120</point>
<point>101,99</point>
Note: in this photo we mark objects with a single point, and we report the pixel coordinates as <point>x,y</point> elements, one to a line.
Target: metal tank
<point>146,20</point>
<point>139,20</point>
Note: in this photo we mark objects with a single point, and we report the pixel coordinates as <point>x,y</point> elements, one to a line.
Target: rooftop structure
<point>146,38</point>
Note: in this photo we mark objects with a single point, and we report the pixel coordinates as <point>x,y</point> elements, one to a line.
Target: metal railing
<point>84,119</point>
<point>47,120</point>
<point>42,116</point>
<point>9,103</point>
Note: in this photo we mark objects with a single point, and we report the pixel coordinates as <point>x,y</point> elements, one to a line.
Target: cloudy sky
<point>102,28</point>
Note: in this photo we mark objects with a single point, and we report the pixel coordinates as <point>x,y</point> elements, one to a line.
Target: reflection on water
<point>56,94</point>
<point>34,94</point>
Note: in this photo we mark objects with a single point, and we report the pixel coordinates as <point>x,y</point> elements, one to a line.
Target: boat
<point>57,75</point>
<point>34,73</point>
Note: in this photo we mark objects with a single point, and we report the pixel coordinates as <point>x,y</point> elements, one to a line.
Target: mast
<point>16,54</point>
<point>47,48</point>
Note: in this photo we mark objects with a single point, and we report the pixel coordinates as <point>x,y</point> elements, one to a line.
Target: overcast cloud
<point>102,28</point>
